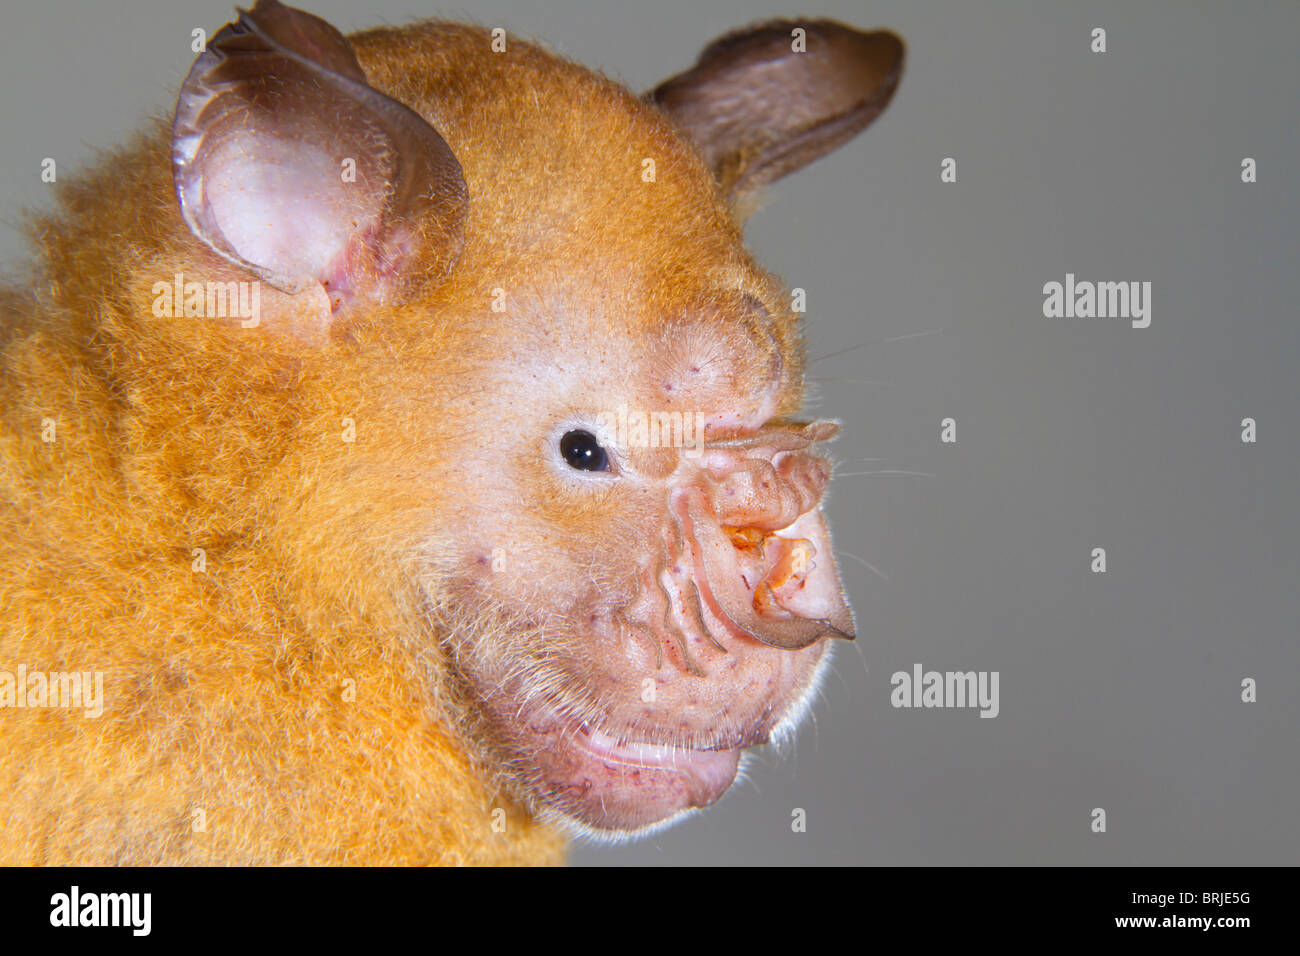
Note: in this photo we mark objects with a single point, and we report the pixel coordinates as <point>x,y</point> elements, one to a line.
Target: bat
<point>401,452</point>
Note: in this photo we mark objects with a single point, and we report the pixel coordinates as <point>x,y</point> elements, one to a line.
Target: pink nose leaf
<point>807,609</point>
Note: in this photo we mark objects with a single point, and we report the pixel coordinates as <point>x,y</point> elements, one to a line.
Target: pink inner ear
<point>283,205</point>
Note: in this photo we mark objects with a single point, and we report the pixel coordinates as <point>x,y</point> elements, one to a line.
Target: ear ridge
<point>258,172</point>
<point>757,110</point>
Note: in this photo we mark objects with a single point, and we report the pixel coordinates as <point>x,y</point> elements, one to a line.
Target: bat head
<point>584,458</point>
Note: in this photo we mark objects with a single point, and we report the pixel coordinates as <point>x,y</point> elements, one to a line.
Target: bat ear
<point>769,99</point>
<point>290,165</point>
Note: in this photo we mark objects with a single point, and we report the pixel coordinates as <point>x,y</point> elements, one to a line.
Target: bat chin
<point>610,784</point>
<point>613,788</point>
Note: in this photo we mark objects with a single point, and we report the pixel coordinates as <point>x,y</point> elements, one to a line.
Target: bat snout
<point>756,539</point>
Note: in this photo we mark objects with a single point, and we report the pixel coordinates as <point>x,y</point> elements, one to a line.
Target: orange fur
<point>229,690</point>
<point>224,689</point>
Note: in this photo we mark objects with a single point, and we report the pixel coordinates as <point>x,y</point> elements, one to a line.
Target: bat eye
<point>581,450</point>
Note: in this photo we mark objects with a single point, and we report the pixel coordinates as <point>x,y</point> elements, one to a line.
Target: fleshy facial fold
<point>757,540</point>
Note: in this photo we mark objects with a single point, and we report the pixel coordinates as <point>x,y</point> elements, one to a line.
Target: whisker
<point>882,341</point>
<point>871,567</point>
<point>913,335</point>
<point>852,378</point>
<point>883,471</point>
<point>862,656</point>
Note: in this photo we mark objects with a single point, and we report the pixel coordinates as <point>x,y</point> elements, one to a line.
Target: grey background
<point>1119,690</point>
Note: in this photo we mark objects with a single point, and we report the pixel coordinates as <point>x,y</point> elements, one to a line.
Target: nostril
<point>792,562</point>
<point>745,539</point>
<point>773,567</point>
<point>749,544</point>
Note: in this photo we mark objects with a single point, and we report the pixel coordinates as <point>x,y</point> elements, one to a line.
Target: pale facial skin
<point>638,661</point>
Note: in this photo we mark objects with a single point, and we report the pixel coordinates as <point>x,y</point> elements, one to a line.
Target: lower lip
<point>658,781</point>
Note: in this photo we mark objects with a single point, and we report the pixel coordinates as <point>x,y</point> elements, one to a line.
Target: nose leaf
<point>783,616</point>
<point>752,516</point>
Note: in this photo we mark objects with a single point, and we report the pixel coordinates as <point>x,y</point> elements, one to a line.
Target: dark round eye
<point>581,450</point>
